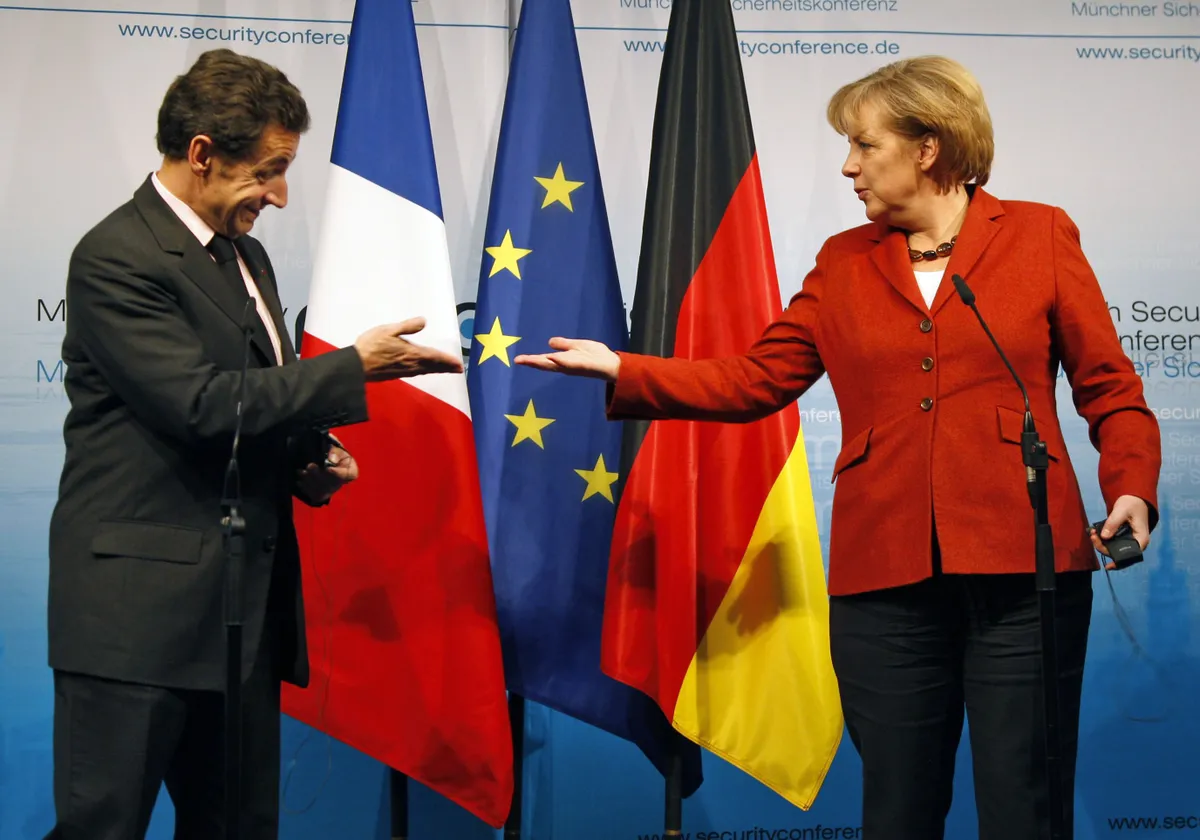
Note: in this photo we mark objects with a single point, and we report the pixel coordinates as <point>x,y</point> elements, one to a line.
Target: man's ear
<point>200,155</point>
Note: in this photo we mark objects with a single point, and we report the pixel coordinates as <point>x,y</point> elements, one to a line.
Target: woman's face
<point>888,171</point>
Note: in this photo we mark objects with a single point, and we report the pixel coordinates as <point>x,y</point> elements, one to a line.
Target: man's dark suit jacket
<point>153,354</point>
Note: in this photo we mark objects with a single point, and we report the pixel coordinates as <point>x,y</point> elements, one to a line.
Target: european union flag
<point>548,458</point>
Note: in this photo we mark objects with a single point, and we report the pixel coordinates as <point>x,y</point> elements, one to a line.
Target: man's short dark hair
<point>232,99</point>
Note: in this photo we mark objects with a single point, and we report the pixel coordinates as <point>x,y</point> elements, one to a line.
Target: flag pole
<point>673,823</point>
<point>516,703</point>
<point>516,718</point>
<point>398,797</point>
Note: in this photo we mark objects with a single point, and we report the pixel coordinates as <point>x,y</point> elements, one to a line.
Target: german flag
<point>716,602</point>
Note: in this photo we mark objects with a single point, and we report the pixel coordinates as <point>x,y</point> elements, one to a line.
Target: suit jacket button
<point>926,325</point>
<point>269,544</point>
<point>926,404</point>
<point>927,363</point>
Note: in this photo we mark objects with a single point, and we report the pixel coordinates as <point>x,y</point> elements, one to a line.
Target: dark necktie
<point>223,251</point>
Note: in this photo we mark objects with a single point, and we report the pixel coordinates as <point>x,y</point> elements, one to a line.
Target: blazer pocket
<point>147,541</point>
<point>1012,424</point>
<point>853,452</point>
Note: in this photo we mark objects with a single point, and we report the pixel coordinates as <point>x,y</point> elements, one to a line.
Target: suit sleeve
<point>780,366</point>
<point>142,343</point>
<point>1105,388</point>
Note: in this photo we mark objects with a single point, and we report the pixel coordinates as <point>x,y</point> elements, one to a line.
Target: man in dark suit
<point>158,293</point>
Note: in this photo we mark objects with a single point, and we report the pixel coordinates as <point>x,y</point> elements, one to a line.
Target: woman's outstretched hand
<point>576,356</point>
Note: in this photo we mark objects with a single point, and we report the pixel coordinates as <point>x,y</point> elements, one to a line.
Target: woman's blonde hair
<point>923,96</point>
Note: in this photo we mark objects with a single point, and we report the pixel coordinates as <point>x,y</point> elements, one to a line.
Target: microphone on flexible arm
<point>233,539</point>
<point>1032,449</point>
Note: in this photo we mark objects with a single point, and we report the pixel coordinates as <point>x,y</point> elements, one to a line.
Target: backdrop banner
<point>1094,106</point>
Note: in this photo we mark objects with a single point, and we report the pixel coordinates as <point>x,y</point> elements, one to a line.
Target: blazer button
<point>927,363</point>
<point>926,325</point>
<point>268,544</point>
<point>926,404</point>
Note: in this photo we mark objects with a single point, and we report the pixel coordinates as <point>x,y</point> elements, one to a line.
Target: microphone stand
<point>1033,455</point>
<point>233,532</point>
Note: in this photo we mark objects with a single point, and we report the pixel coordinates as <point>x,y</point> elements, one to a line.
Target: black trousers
<point>911,660</point>
<point>116,744</point>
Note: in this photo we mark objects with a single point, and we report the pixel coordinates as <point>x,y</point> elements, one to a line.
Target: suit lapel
<point>978,231</point>
<point>266,288</point>
<point>173,237</point>
<point>890,256</point>
<point>198,265</point>
<point>271,299</point>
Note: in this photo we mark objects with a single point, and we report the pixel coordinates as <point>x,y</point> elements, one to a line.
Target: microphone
<point>1122,546</point>
<point>233,490</point>
<point>1033,455</point>
<point>1029,438</point>
<point>233,527</point>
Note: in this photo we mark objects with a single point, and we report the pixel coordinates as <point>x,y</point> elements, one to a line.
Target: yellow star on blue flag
<point>529,425</point>
<point>558,189</point>
<point>599,480</point>
<point>506,255</point>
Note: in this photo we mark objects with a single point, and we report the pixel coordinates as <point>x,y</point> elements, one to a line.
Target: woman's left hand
<point>1129,509</point>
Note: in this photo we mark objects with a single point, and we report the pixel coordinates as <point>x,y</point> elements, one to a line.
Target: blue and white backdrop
<point>1096,110</point>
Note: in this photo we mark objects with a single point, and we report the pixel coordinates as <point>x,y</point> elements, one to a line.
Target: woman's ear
<point>927,151</point>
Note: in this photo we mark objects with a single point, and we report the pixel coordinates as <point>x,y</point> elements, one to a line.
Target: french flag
<point>402,634</point>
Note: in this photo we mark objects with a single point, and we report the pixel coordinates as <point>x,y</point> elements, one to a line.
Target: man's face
<point>235,192</point>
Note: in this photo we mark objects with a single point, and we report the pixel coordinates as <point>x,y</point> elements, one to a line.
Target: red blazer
<point>931,418</point>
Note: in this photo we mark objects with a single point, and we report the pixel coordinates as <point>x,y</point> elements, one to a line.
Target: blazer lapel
<point>890,256</point>
<point>978,231</point>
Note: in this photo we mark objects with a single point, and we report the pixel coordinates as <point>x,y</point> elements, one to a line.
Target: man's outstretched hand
<point>387,354</point>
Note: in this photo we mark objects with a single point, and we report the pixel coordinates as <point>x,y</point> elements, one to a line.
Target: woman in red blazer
<point>933,609</point>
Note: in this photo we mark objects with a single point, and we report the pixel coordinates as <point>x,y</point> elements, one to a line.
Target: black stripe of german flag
<point>702,145</point>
